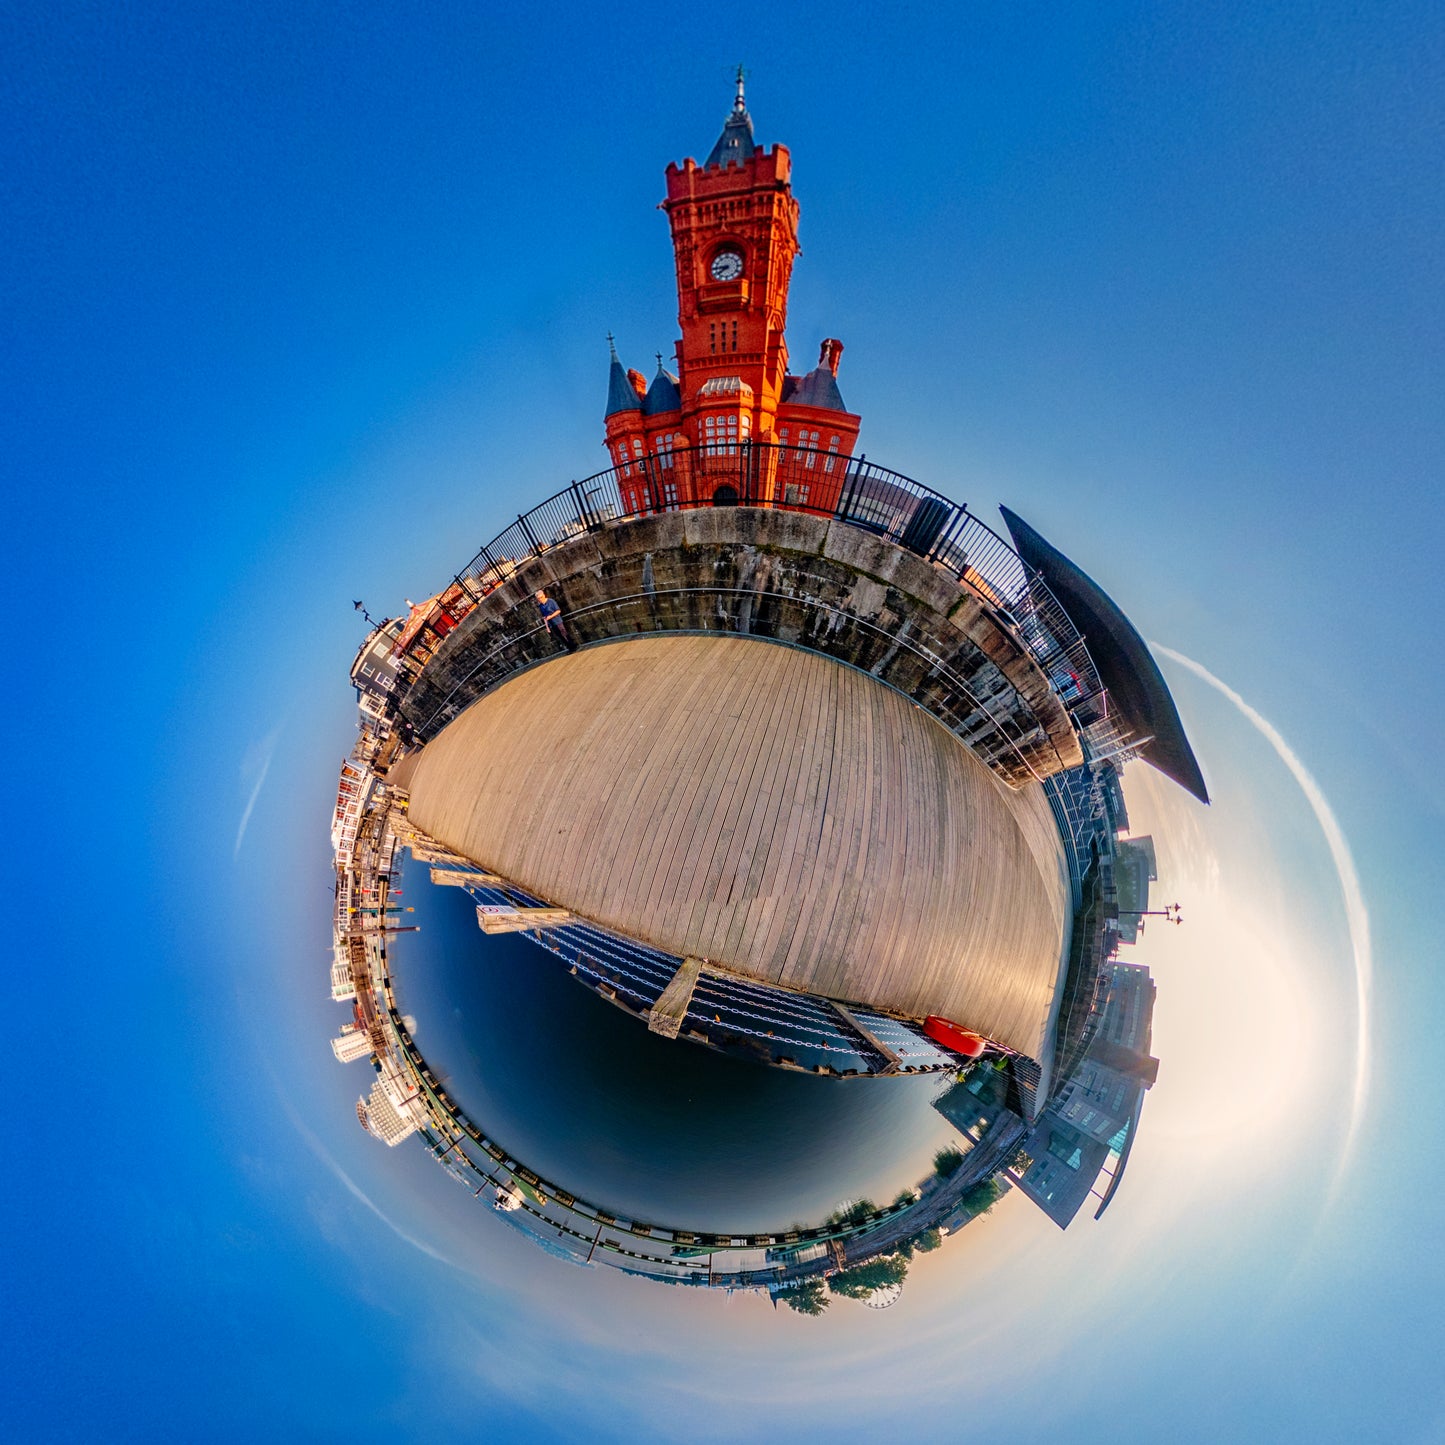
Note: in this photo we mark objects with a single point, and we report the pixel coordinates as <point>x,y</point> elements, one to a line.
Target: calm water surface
<point>659,1129</point>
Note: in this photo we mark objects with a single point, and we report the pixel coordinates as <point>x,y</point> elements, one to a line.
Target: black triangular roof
<point>621,394</point>
<point>1126,667</point>
<point>662,395</point>
<point>736,141</point>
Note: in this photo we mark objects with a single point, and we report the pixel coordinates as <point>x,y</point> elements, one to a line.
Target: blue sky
<point>300,305</point>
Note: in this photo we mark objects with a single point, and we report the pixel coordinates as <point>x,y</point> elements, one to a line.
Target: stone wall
<point>808,581</point>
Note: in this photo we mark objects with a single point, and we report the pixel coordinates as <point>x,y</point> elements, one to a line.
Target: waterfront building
<point>1098,1100</point>
<point>1127,1013</point>
<point>1065,1165</point>
<point>352,792</point>
<point>977,1103</point>
<point>393,1112</point>
<point>1135,868</point>
<point>1092,1115</point>
<point>353,1042</point>
<point>1095,1114</point>
<point>343,986</point>
<point>374,672</point>
<point>675,440</point>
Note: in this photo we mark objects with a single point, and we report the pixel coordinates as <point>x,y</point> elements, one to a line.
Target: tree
<point>808,1298</point>
<point>982,1197</point>
<point>924,1243</point>
<point>860,1281</point>
<point>853,1214</point>
<point>946,1161</point>
<point>906,1196</point>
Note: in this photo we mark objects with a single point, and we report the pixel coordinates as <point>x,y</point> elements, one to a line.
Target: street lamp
<point>1171,913</point>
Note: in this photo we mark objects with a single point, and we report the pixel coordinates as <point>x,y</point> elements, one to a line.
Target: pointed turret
<point>736,141</point>
<point>663,395</point>
<point>621,394</point>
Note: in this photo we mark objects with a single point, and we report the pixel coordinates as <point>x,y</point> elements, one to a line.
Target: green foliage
<point>982,1197</point>
<point>946,1161</point>
<point>924,1243</point>
<point>854,1214</point>
<point>808,1298</point>
<point>906,1196</point>
<point>860,1281</point>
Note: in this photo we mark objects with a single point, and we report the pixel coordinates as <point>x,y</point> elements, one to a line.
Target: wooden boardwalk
<point>769,810</point>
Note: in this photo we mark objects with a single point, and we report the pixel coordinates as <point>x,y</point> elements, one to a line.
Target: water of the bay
<point>651,1128</point>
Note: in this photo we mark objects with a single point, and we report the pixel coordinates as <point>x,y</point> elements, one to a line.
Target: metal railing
<point>824,484</point>
<point>633,615</point>
<point>729,1012</point>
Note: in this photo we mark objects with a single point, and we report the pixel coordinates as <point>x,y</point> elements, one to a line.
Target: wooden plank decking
<point>767,809</point>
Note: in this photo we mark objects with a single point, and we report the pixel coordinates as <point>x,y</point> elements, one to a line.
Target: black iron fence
<point>826,484</point>
<point>997,735</point>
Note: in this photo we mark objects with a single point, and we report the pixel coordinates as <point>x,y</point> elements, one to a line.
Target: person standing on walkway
<point>552,618</point>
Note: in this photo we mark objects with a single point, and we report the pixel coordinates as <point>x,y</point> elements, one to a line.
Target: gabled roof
<point>818,388</point>
<point>1129,673</point>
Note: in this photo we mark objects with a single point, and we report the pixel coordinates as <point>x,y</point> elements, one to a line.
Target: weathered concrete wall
<point>809,581</point>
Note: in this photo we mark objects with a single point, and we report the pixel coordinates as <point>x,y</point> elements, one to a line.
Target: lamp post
<point>1170,914</point>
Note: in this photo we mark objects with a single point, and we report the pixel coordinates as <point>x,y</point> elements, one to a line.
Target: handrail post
<point>652,481</point>
<point>855,471</point>
<point>492,563</point>
<point>528,533</point>
<point>584,512</point>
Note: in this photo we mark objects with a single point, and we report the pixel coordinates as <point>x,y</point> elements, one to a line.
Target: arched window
<point>720,435</point>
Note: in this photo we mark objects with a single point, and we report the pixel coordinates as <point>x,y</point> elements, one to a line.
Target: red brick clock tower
<point>734,235</point>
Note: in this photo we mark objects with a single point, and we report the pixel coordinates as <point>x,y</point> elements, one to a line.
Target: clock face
<point>726,266</point>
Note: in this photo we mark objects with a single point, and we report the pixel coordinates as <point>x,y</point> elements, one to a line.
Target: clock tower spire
<point>734,225</point>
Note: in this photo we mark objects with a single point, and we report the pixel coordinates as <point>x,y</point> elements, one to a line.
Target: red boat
<point>954,1036</point>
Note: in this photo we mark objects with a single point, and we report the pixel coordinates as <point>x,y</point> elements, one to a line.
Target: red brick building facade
<point>675,440</point>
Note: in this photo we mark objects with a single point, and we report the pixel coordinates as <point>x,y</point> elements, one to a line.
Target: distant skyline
<point>301,311</point>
